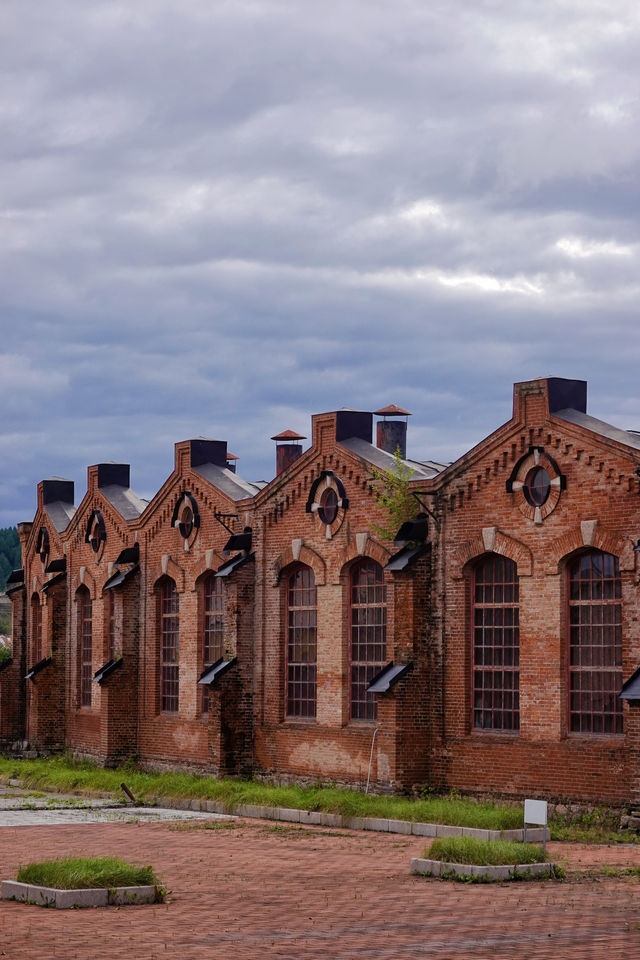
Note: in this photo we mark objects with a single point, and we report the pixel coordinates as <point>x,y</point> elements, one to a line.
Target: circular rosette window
<point>328,502</point>
<point>96,534</point>
<point>186,518</point>
<point>537,483</point>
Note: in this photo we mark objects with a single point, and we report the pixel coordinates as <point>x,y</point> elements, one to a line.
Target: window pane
<point>496,645</point>
<point>301,644</point>
<point>368,635</point>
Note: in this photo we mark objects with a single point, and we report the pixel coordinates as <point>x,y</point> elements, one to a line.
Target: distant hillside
<point>9,553</point>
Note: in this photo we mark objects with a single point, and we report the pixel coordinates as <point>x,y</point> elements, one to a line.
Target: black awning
<point>388,677</point>
<point>404,558</point>
<point>129,555</point>
<point>232,565</point>
<point>14,589</point>
<point>54,580</point>
<point>37,668</point>
<point>216,670</point>
<point>16,576</point>
<point>413,531</point>
<point>631,688</point>
<point>107,669</point>
<point>119,577</point>
<point>57,566</point>
<point>5,664</point>
<point>238,541</point>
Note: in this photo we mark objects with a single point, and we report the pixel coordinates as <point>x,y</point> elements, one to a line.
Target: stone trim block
<point>66,899</point>
<point>437,868</point>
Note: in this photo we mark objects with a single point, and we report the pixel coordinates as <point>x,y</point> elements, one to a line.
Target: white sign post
<point>535,812</point>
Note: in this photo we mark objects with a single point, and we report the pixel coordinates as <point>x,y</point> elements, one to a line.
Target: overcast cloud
<point>220,217</point>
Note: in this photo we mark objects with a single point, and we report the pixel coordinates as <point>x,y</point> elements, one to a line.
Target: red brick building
<point>275,629</point>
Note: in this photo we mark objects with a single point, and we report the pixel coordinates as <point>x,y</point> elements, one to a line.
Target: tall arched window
<point>85,644</point>
<point>368,635</point>
<point>301,643</point>
<point>212,627</point>
<point>110,616</point>
<point>36,629</point>
<point>169,634</point>
<point>496,645</point>
<point>595,644</point>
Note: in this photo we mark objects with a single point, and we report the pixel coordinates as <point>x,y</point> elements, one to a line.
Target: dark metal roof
<point>413,531</point>
<point>128,504</point>
<point>238,541</point>
<point>37,668</point>
<point>629,438</point>
<point>14,589</point>
<point>386,461</point>
<point>107,669</point>
<point>233,564</point>
<point>393,410</point>
<point>53,582</point>
<point>388,677</point>
<point>59,565</point>
<point>60,514</point>
<point>228,482</point>
<point>217,669</point>
<point>404,558</point>
<point>288,435</point>
<point>129,555</point>
<point>631,688</point>
<point>119,577</point>
<point>16,576</point>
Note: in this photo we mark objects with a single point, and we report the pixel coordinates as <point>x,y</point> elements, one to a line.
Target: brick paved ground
<point>265,891</point>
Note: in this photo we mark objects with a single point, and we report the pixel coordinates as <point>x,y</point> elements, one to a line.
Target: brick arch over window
<point>168,620</point>
<point>495,644</point>
<point>84,613</point>
<point>594,604</point>
<point>300,642</point>
<point>369,549</point>
<point>589,534</point>
<point>491,540</point>
<point>299,553</point>
<point>367,634</point>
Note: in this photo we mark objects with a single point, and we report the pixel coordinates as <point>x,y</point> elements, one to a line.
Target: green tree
<point>9,553</point>
<point>393,494</point>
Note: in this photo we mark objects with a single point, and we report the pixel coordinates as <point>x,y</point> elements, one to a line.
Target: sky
<point>218,218</point>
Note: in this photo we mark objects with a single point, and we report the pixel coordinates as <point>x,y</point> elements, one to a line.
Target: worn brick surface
<point>295,892</point>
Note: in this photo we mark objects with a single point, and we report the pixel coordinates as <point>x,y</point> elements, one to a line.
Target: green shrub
<point>82,873</point>
<point>483,852</point>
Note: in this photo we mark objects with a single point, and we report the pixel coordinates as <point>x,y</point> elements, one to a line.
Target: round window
<point>186,522</point>
<point>328,506</point>
<point>95,539</point>
<point>537,486</point>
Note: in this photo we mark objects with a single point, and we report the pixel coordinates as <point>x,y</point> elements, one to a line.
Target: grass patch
<point>83,873</point>
<point>483,853</point>
<point>599,826</point>
<point>204,825</point>
<point>82,777</point>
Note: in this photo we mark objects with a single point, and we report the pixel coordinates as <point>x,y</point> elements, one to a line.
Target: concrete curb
<point>526,871</point>
<point>65,899</point>
<point>313,817</point>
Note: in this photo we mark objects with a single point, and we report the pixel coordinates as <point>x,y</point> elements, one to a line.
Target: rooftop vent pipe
<point>391,431</point>
<point>288,449</point>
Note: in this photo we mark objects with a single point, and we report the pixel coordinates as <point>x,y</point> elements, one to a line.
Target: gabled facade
<point>275,629</point>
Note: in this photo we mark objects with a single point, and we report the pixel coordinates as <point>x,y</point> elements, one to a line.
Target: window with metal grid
<point>595,644</point>
<point>213,628</point>
<point>86,645</point>
<point>111,624</point>
<point>301,643</point>
<point>169,632</point>
<point>496,645</point>
<point>368,635</point>
<point>36,629</point>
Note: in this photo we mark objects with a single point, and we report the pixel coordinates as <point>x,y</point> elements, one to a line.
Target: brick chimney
<point>391,432</point>
<point>288,449</point>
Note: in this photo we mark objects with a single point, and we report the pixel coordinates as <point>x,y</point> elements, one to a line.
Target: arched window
<point>85,644</point>
<point>169,634</point>
<point>496,645</point>
<point>110,615</point>
<point>595,644</point>
<point>212,627</point>
<point>368,635</point>
<point>36,629</point>
<point>301,643</point>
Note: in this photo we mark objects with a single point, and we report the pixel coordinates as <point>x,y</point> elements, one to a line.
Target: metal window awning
<point>52,583</point>
<point>631,688</point>
<point>413,531</point>
<point>238,541</point>
<point>16,576</point>
<point>233,564</point>
<point>119,577</point>
<point>59,565</point>
<point>106,670</point>
<point>38,667</point>
<point>388,677</point>
<point>5,664</point>
<point>404,558</point>
<point>129,555</point>
<point>216,670</point>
